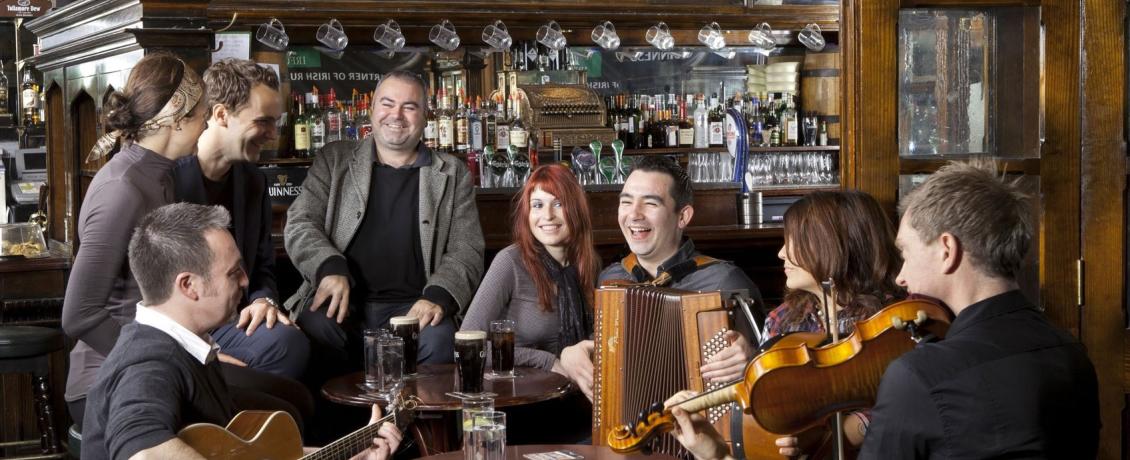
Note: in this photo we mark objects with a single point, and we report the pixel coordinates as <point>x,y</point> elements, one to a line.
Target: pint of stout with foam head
<point>470,360</point>
<point>408,329</point>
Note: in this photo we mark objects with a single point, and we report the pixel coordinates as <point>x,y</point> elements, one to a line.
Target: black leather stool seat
<point>27,341</point>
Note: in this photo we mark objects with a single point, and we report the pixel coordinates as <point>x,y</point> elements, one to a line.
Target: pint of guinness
<point>408,329</point>
<point>470,360</point>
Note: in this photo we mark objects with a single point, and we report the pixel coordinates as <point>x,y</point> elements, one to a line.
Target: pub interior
<point>761,102</point>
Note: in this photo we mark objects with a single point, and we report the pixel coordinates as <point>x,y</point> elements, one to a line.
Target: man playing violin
<point>1004,382</point>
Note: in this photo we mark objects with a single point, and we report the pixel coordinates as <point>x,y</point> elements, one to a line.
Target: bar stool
<point>27,350</point>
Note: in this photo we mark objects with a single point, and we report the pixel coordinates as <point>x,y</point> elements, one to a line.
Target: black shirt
<point>220,193</point>
<point>1004,383</point>
<point>385,258</point>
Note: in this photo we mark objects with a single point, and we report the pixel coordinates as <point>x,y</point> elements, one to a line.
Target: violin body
<point>794,386</point>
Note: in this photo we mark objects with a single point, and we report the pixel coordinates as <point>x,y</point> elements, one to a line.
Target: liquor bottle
<point>332,118</point>
<point>462,127</point>
<point>686,127</point>
<point>823,132</point>
<point>502,129</point>
<point>3,90</point>
<point>519,136</point>
<point>701,124</point>
<point>30,97</point>
<point>475,126</point>
<point>317,124</point>
<point>365,121</point>
<point>775,137</point>
<point>790,128</point>
<point>671,127</point>
<point>716,117</point>
<point>431,128</point>
<point>634,123</point>
<point>446,124</point>
<point>490,125</point>
<point>301,130</point>
<point>350,120</point>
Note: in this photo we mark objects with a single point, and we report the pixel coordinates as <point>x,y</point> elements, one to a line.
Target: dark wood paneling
<point>1103,189</point>
<point>872,70</point>
<point>58,210</point>
<point>1060,185</point>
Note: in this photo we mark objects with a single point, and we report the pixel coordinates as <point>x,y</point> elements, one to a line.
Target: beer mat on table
<point>461,395</point>
<point>490,376</point>
<point>554,455</point>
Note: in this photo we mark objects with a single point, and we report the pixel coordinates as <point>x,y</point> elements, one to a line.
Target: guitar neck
<point>350,445</point>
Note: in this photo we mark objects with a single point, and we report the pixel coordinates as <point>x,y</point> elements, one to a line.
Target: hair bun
<point>118,115</point>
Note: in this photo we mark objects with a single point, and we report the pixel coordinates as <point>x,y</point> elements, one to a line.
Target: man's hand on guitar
<point>386,442</point>
<point>694,432</point>
<point>576,364</point>
<point>729,364</point>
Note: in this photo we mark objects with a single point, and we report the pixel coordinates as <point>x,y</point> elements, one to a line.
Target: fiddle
<point>798,383</point>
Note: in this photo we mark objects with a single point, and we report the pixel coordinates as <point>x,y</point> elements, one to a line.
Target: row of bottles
<point>671,120</point>
<point>318,119</point>
<point>455,124</point>
<point>666,120</point>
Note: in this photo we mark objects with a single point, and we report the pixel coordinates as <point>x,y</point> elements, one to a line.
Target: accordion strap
<point>673,274</point>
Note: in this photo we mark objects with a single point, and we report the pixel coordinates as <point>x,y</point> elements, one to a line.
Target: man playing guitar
<point>162,374</point>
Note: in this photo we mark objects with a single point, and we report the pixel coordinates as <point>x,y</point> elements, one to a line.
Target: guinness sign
<point>284,183</point>
<point>24,8</point>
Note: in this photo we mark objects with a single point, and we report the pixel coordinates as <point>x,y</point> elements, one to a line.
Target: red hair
<point>558,181</point>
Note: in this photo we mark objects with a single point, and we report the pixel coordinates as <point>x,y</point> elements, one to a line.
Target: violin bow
<point>833,328</point>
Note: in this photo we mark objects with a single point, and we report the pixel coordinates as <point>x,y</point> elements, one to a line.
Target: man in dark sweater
<point>162,374</point>
<point>384,227</point>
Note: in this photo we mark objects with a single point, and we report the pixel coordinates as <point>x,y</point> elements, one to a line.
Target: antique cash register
<point>572,114</point>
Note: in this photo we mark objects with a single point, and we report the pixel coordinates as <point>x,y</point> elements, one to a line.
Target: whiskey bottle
<point>301,133</point>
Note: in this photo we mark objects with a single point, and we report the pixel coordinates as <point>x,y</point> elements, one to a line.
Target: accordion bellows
<point>649,345</point>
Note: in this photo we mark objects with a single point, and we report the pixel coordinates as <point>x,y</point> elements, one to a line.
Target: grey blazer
<point>324,218</point>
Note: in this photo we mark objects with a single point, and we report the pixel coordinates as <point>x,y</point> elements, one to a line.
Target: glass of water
<point>487,438</point>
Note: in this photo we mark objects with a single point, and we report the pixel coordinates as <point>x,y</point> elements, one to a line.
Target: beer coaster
<point>461,395</point>
<point>492,376</point>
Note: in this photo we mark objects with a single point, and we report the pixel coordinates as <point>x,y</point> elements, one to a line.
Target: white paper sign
<point>233,45</point>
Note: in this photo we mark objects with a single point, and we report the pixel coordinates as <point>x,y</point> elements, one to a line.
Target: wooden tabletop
<point>589,452</point>
<point>433,381</point>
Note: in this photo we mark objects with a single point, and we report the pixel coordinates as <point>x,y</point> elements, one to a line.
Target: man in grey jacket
<point>384,227</point>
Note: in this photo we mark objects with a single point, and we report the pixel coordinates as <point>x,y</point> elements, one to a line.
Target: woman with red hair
<point>544,281</point>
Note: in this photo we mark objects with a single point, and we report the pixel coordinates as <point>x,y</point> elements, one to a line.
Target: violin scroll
<point>652,422</point>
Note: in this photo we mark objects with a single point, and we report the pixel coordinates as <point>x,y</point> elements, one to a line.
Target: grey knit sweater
<point>508,292</point>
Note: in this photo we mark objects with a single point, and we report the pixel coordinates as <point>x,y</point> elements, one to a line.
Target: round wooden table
<point>436,428</point>
<point>589,452</point>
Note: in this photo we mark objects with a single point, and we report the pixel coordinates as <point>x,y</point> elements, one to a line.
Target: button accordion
<point>649,344</point>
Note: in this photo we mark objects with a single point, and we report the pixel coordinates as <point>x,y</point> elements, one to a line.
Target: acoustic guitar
<point>274,435</point>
